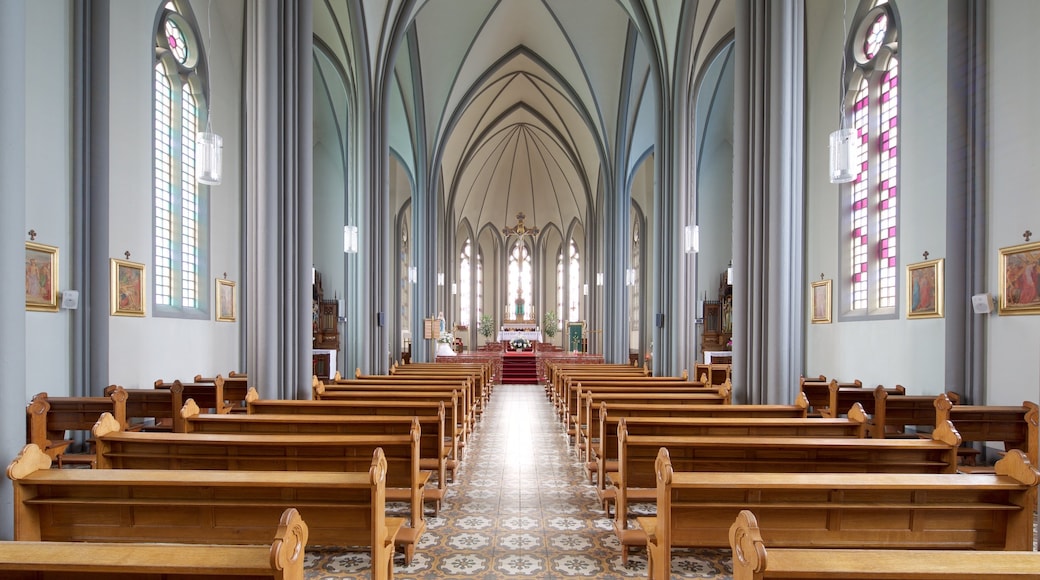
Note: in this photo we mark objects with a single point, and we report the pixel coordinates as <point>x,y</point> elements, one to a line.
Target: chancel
<point>619,210</point>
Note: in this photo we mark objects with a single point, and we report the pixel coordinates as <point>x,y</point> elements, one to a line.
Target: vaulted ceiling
<point>534,106</point>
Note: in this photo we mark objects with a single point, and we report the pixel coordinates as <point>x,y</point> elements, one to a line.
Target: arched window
<point>519,278</point>
<point>465,277</point>
<point>870,256</point>
<point>480,284</point>
<point>559,283</point>
<point>178,100</point>
<point>574,283</point>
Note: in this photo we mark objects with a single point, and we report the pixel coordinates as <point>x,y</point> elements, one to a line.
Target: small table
<point>711,355</point>
<point>324,358</point>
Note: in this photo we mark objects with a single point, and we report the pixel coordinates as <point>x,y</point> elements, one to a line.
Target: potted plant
<point>550,325</point>
<point>486,327</point>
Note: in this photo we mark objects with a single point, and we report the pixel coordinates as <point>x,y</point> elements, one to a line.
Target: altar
<point>532,335</point>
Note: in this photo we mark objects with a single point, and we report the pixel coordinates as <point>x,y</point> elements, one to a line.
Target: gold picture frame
<point>1020,279</point>
<point>925,289</point>
<point>227,301</point>
<point>127,292</point>
<point>820,303</point>
<point>41,277</point>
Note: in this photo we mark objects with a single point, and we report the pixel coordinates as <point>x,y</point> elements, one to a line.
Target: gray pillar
<point>768,237</point>
<point>12,248</point>
<point>279,196</point>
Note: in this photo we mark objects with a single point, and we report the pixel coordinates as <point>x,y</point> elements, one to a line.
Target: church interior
<point>299,189</point>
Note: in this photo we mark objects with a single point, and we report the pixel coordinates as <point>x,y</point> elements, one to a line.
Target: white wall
<point>144,349</point>
<point>912,351</point>
<point>1013,354</point>
<point>48,120</point>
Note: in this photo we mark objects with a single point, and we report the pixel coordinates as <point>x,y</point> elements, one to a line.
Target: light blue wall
<point>911,352</point>
<point>48,94</point>
<point>888,352</point>
<point>1014,341</point>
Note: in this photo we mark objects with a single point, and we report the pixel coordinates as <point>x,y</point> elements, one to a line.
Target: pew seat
<point>753,560</point>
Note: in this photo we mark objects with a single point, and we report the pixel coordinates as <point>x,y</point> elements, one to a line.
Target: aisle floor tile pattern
<point>520,507</point>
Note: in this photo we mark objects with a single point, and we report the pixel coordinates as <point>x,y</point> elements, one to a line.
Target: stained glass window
<point>518,276</point>
<point>559,284</point>
<point>178,103</point>
<point>872,201</point>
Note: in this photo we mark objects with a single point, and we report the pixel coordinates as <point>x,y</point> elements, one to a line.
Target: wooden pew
<point>562,375</point>
<point>206,395</point>
<point>153,409</point>
<point>267,452</point>
<point>1015,427</point>
<point>50,419</point>
<point>591,395</point>
<point>752,560</point>
<point>282,560</point>
<point>637,456</point>
<point>235,388</point>
<point>842,398</point>
<point>578,390</point>
<point>467,407</point>
<point>595,408</point>
<point>893,415</point>
<point>200,507</point>
<point>572,387</point>
<point>455,414</point>
<point>431,439</point>
<point>258,406</point>
<point>818,392</point>
<point>606,450</point>
<point>952,511</point>
<point>482,375</point>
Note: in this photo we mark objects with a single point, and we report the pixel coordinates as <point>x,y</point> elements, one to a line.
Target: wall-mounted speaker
<point>380,319</point>
<point>660,320</point>
<point>982,303</point>
<point>70,299</point>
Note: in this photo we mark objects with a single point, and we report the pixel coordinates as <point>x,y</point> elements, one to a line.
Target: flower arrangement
<point>446,338</point>
<point>550,323</point>
<point>520,343</point>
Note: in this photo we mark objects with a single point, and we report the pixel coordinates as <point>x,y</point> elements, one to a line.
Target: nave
<point>521,507</point>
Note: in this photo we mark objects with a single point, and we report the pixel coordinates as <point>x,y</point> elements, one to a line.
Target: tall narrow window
<point>870,255</point>
<point>465,278</point>
<point>519,279</point>
<point>178,200</point>
<point>559,284</point>
<point>480,283</point>
<point>574,283</point>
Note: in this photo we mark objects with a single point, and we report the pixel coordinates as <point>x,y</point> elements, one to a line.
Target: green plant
<point>486,326</point>
<point>550,323</point>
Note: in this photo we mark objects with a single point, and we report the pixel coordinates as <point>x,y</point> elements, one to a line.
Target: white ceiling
<point>522,105</point>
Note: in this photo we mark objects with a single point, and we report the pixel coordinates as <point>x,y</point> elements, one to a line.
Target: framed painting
<point>41,277</point>
<point>924,289</point>
<point>821,302</point>
<point>576,336</point>
<point>226,301</point>
<point>1020,279</point>
<point>127,288</point>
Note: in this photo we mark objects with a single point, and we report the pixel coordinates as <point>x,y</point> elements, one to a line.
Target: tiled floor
<point>521,507</point>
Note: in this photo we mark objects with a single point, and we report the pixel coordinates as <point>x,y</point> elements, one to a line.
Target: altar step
<point>519,369</point>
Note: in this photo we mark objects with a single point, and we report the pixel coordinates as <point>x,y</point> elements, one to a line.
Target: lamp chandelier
<point>841,153</point>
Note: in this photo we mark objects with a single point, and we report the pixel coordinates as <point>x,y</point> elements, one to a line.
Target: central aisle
<point>521,508</point>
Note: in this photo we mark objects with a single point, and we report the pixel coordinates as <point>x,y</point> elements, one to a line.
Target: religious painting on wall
<point>1019,279</point>
<point>127,288</point>
<point>226,301</point>
<point>41,277</point>
<point>820,304</point>
<point>924,289</point>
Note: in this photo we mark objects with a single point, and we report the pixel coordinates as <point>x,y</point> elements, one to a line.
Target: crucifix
<point>520,230</point>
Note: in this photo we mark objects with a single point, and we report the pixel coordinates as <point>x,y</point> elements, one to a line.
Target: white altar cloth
<point>532,335</point>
